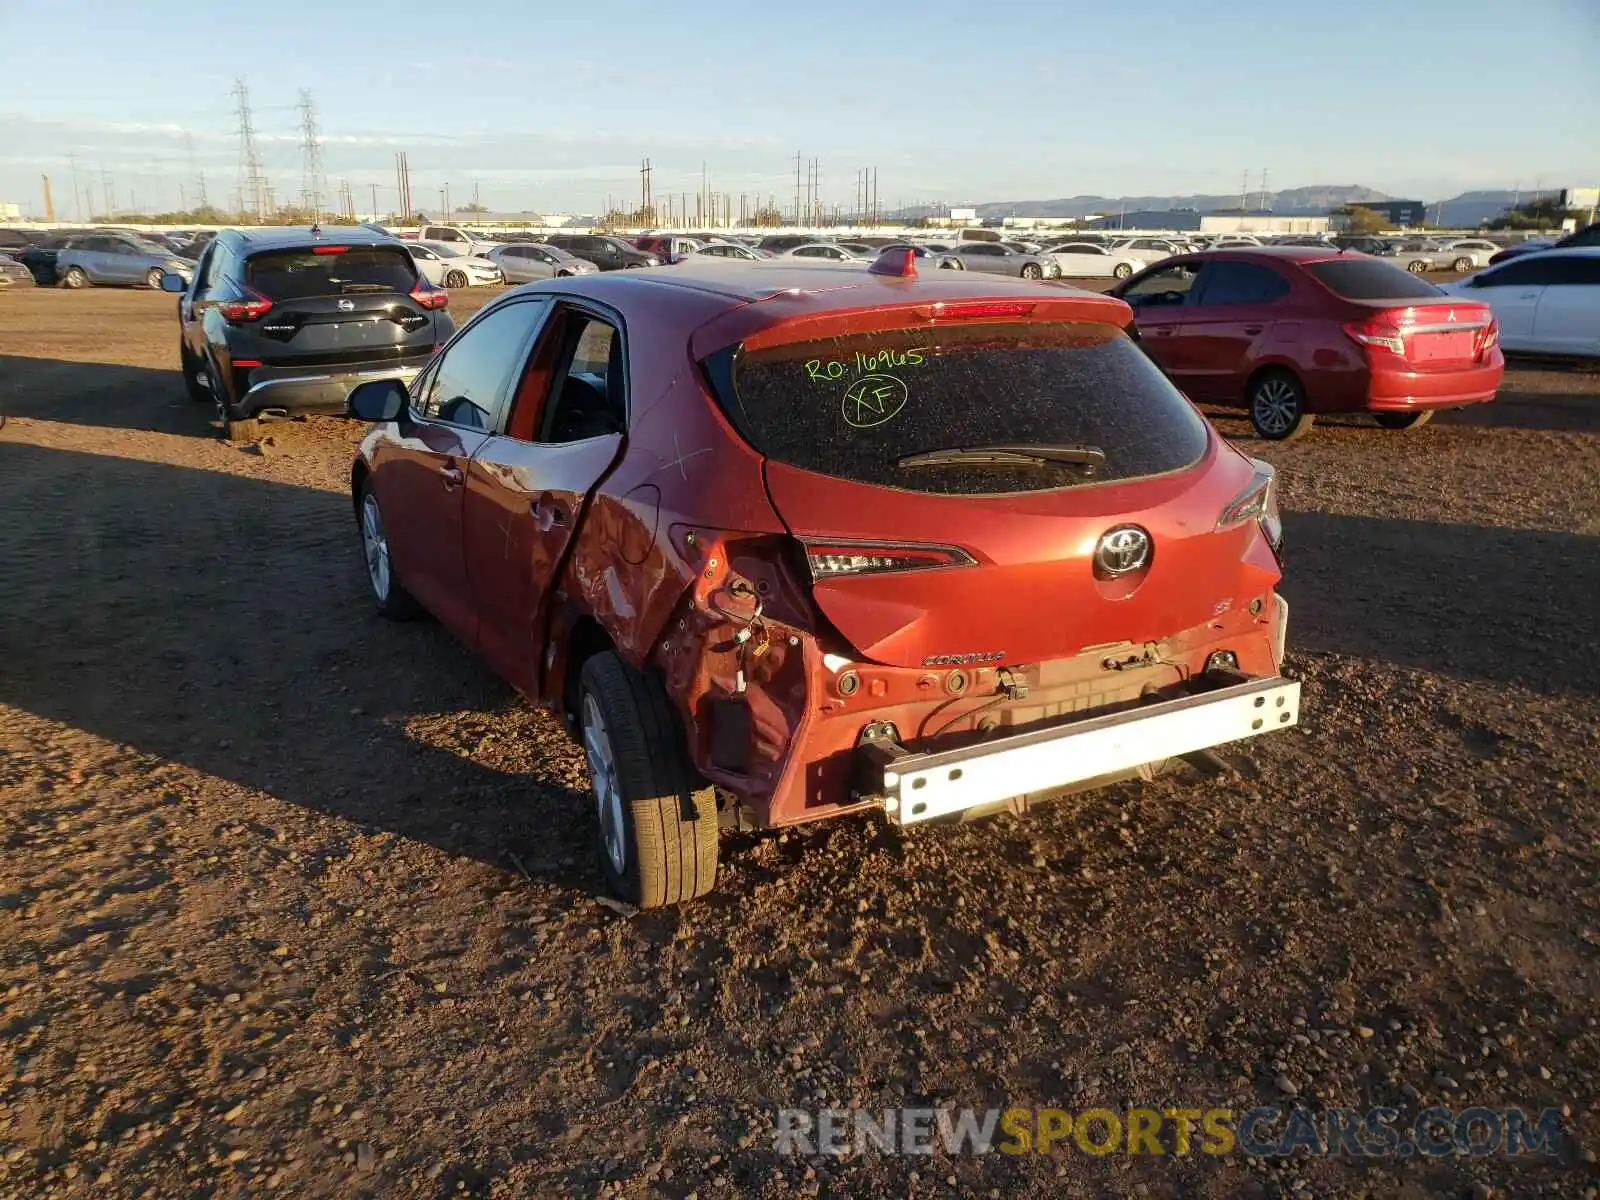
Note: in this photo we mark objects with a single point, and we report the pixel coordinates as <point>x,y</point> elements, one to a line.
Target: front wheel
<point>455,279</point>
<point>656,829</point>
<point>1404,420</point>
<point>393,600</point>
<point>1278,407</point>
<point>1031,271</point>
<point>1416,268</point>
<point>1123,270</point>
<point>1462,265</point>
<point>74,278</point>
<point>153,279</point>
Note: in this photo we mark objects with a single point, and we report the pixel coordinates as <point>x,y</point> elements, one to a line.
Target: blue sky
<point>550,106</point>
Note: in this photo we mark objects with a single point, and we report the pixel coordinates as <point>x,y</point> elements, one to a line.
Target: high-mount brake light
<point>899,263</point>
<point>430,297</point>
<point>238,311</point>
<point>980,308</point>
<point>329,249</point>
<point>830,560</point>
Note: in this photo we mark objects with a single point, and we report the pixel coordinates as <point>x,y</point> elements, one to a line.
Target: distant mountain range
<point>1463,211</point>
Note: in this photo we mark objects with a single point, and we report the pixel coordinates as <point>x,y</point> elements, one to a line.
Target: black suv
<point>607,253</point>
<point>290,320</point>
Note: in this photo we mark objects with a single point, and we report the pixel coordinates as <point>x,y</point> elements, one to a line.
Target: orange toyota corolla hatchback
<point>786,544</point>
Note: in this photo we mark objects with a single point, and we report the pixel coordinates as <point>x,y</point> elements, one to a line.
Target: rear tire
<point>1278,406</point>
<point>199,392</point>
<point>74,278</point>
<point>1416,268</point>
<point>1122,270</point>
<point>1031,271</point>
<point>455,279</point>
<point>656,829</point>
<point>153,279</point>
<point>1404,420</point>
<point>1462,265</point>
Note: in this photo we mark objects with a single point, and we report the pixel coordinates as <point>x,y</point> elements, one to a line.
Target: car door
<point>1157,298</point>
<point>95,254</point>
<point>421,478</point>
<point>126,262</point>
<point>529,483</point>
<point>1229,311</point>
<point>981,257</point>
<point>1085,262</point>
<point>1513,290</point>
<point>1567,320</point>
<point>198,300</point>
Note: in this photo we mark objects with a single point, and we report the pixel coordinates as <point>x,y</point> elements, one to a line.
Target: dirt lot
<point>263,926</point>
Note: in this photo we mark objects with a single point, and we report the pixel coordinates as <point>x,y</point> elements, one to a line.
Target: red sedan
<point>1291,331</point>
<point>781,544</point>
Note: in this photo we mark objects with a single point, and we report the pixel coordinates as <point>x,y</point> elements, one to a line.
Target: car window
<point>1241,283</point>
<point>1574,269</point>
<point>810,252</point>
<point>448,235</point>
<point>1168,286</point>
<point>473,378</point>
<point>421,252</point>
<point>1079,249</point>
<point>303,273</point>
<point>814,405</point>
<point>587,396</point>
<point>1370,279</point>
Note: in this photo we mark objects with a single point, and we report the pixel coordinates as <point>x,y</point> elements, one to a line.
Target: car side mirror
<point>379,400</point>
<point>173,282</point>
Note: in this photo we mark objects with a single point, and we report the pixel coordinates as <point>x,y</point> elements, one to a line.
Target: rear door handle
<point>1163,331</point>
<point>452,476</point>
<point>1529,296</point>
<point>1253,329</point>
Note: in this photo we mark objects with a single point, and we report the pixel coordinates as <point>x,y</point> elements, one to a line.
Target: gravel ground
<point>296,901</point>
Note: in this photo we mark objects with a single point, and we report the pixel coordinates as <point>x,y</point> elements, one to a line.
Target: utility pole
<point>1264,207</point>
<point>797,220</point>
<point>374,201</point>
<point>49,204</point>
<point>310,158</point>
<point>1244,192</point>
<point>253,187</point>
<point>105,186</point>
<point>645,199</point>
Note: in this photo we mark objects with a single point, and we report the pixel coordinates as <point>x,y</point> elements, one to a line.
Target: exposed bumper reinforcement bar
<point>919,787</point>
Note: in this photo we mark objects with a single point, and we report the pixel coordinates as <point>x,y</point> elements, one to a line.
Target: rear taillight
<point>253,309</point>
<point>1487,338</point>
<point>429,297</point>
<point>830,560</point>
<point>1378,333</point>
<point>1259,503</point>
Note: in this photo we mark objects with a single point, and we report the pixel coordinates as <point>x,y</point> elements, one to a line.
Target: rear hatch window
<point>301,274</point>
<point>971,409</point>
<point>1369,279</point>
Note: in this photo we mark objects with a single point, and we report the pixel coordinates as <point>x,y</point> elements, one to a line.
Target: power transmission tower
<point>646,201</point>
<point>310,158</point>
<point>77,201</point>
<point>253,182</point>
<point>199,176</point>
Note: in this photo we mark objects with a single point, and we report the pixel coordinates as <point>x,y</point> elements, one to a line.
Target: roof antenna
<point>316,230</point>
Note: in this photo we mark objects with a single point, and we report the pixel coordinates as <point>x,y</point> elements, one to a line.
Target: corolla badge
<point>963,660</point>
<point>1122,550</point>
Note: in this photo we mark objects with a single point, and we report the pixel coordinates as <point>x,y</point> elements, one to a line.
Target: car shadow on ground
<point>223,622</point>
<point>1556,412</point>
<point>1530,593</point>
<point>110,396</point>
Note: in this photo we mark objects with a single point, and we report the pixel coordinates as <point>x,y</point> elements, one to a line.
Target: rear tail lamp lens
<point>429,297</point>
<point>1259,503</point>
<point>975,310</point>
<point>830,560</point>
<point>1488,337</point>
<point>1377,334</point>
<point>251,309</point>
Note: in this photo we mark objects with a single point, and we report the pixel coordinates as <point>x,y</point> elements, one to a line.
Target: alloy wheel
<point>376,545</point>
<point>1276,406</point>
<point>607,789</point>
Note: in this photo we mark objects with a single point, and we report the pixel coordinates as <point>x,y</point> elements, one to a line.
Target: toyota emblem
<point>1122,550</point>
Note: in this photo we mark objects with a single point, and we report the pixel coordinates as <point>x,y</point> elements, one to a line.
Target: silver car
<point>1419,254</point>
<point>527,262</point>
<point>117,258</point>
<point>998,260</point>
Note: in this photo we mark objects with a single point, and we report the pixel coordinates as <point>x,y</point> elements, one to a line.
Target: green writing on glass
<point>864,363</point>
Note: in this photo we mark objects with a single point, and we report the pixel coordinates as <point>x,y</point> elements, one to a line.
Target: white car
<point>822,253</point>
<point>1544,303</point>
<point>1151,250</point>
<point>444,266</point>
<point>730,252</point>
<point>1085,260</point>
<point>1470,253</point>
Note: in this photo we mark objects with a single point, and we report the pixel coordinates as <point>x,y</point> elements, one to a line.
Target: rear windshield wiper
<point>352,289</point>
<point>1077,454</point>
